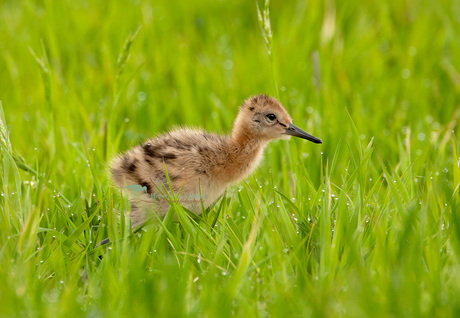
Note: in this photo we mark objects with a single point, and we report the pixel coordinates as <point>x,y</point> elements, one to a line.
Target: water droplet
<point>228,64</point>
<point>141,96</point>
<point>405,73</point>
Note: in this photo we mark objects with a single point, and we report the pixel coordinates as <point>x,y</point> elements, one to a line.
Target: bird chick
<point>200,165</point>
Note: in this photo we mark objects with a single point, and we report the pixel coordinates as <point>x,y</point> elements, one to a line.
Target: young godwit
<point>200,165</point>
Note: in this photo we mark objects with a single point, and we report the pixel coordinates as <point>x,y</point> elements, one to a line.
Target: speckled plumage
<point>199,162</point>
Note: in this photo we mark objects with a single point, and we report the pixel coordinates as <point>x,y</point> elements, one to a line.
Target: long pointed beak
<point>297,132</point>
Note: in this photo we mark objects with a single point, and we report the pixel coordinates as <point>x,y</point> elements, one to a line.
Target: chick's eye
<point>271,116</point>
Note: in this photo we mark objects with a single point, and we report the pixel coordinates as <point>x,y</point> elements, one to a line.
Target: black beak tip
<point>297,132</point>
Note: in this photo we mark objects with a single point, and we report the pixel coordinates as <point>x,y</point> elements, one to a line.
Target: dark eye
<point>271,117</point>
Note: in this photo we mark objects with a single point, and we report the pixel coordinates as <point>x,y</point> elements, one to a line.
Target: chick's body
<point>191,159</point>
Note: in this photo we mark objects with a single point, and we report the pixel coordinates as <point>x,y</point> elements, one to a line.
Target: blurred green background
<point>368,223</point>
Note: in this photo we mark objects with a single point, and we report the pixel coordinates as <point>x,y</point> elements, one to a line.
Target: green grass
<point>366,224</point>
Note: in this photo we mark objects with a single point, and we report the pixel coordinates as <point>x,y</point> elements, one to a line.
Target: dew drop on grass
<point>405,73</point>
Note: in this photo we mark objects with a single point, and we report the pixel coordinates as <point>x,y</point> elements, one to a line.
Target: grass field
<point>365,225</point>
